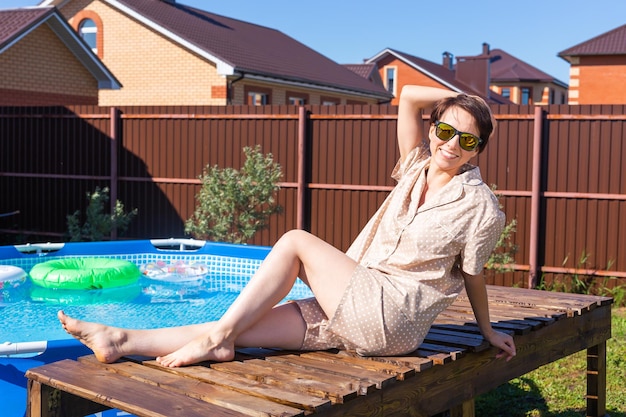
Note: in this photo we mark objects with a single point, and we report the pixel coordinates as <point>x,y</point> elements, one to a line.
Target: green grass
<point>558,389</point>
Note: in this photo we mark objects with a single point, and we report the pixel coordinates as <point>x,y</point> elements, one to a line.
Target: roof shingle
<point>612,42</point>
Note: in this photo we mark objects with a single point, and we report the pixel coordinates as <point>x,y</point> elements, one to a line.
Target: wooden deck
<point>451,367</point>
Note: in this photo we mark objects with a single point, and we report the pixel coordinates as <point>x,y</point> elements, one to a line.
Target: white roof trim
<point>223,67</point>
<point>310,85</point>
<point>67,35</point>
<point>82,52</point>
<point>412,64</point>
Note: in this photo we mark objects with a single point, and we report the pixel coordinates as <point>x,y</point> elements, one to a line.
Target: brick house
<point>470,74</point>
<point>44,62</point>
<point>522,83</point>
<point>598,69</point>
<point>166,53</point>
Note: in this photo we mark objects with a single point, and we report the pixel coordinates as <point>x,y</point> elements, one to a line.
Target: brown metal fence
<point>558,170</point>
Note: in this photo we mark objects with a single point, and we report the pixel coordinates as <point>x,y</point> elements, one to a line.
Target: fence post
<point>114,132</point>
<point>302,158</point>
<point>535,200</point>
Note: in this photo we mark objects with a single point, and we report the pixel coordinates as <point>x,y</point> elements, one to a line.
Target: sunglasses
<point>467,141</point>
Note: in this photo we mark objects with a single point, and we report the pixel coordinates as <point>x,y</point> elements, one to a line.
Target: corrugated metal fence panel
<point>506,166</point>
<point>51,157</point>
<point>167,149</point>
<point>585,187</point>
<point>348,153</point>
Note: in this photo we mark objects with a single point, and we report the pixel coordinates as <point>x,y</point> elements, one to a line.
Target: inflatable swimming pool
<point>148,302</point>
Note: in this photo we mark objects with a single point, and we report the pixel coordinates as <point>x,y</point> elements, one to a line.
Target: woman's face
<point>449,156</point>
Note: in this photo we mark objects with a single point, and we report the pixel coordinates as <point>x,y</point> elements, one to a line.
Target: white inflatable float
<point>11,276</point>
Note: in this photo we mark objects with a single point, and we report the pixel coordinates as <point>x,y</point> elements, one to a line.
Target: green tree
<point>98,224</point>
<point>233,205</point>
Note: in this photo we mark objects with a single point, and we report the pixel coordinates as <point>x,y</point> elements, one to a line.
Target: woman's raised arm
<point>414,99</point>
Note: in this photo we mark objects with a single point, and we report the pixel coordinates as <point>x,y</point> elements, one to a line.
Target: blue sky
<point>348,31</point>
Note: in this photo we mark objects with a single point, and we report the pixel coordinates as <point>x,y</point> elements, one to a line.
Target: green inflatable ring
<point>84,273</point>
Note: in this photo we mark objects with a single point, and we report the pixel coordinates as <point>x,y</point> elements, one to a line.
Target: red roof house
<point>598,69</point>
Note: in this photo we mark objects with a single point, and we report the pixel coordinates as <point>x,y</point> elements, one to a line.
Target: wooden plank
<point>337,390</point>
<point>367,379</point>
<point>457,339</point>
<point>247,386</point>
<point>401,372</point>
<point>115,391</point>
<point>220,396</point>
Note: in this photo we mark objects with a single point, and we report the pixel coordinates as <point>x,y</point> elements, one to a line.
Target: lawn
<point>558,389</point>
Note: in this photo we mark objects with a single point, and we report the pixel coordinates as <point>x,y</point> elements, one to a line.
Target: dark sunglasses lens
<point>445,131</point>
<point>468,142</point>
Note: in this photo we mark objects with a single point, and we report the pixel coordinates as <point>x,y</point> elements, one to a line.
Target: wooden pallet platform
<point>451,367</point>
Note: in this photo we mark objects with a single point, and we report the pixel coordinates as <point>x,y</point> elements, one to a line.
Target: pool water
<point>29,312</point>
<point>33,317</point>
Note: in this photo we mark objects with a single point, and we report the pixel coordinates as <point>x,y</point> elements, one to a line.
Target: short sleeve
<point>418,154</point>
<point>481,244</point>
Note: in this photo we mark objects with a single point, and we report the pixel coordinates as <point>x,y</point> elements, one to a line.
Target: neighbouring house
<point>522,83</point>
<point>470,74</point>
<point>598,69</point>
<point>167,53</point>
<point>44,62</point>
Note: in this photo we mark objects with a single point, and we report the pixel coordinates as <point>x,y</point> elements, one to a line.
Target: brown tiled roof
<point>612,42</point>
<point>245,48</point>
<point>364,70</point>
<point>507,68</point>
<point>442,74</point>
<point>14,22</point>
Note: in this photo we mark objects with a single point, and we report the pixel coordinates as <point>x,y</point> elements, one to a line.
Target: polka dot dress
<point>410,261</point>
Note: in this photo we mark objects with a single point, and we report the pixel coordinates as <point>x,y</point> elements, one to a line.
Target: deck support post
<point>596,380</point>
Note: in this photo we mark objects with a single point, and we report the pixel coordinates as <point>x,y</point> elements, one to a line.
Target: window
<point>296,98</point>
<point>329,101</point>
<point>298,101</point>
<point>526,95</point>
<point>390,79</point>
<point>257,99</point>
<point>88,25</point>
<point>506,92</point>
<point>257,96</point>
<point>89,32</point>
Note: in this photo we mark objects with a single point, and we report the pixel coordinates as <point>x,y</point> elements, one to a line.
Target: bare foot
<point>200,349</point>
<point>105,341</point>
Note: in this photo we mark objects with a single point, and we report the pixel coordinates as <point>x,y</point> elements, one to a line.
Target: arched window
<point>88,30</point>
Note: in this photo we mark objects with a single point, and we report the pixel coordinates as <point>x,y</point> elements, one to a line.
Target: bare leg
<point>111,343</point>
<point>252,320</point>
<point>324,268</point>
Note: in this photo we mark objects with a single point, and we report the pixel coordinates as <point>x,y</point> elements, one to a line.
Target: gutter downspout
<point>535,199</point>
<point>229,89</point>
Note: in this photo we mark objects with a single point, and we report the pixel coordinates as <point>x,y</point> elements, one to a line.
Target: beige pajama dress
<point>410,261</point>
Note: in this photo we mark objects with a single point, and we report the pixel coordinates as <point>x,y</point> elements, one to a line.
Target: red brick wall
<point>598,80</point>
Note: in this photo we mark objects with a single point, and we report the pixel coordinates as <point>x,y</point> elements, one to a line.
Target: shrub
<point>98,224</point>
<point>233,205</point>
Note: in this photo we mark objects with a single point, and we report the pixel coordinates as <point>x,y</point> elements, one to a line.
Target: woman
<point>432,236</point>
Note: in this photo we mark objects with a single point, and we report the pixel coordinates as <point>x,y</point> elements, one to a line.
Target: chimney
<point>474,71</point>
<point>448,59</point>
